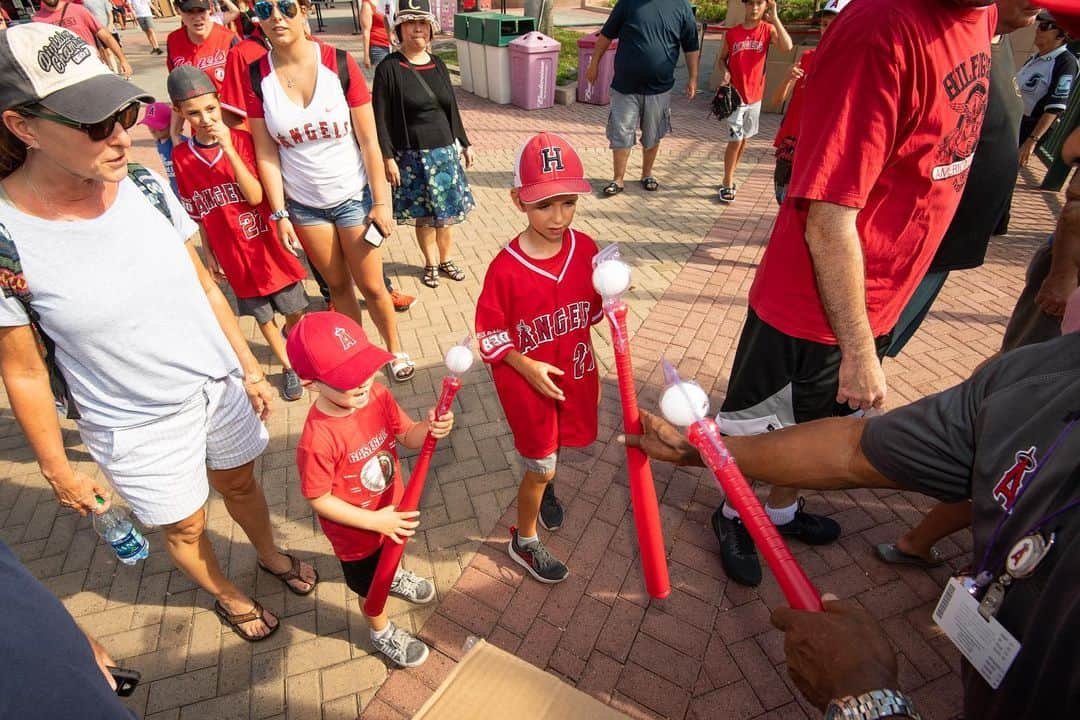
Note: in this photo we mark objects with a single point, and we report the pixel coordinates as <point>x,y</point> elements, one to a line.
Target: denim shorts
<point>350,213</point>
<point>540,466</point>
<point>652,113</point>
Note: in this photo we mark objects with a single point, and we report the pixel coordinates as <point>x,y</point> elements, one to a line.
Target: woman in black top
<point>420,131</point>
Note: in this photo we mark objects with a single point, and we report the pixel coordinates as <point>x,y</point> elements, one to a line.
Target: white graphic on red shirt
<point>749,44</point>
<point>546,327</point>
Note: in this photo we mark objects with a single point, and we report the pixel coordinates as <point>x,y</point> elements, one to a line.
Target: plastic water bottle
<point>115,526</point>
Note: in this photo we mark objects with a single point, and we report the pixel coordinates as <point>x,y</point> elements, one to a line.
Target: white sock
<point>782,516</point>
<point>729,512</point>
<point>527,541</point>
<point>382,634</point>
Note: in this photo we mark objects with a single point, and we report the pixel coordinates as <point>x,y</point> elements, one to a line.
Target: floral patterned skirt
<point>433,189</point>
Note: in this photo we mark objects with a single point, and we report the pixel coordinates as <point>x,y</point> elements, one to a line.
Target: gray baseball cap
<point>186,82</point>
<point>52,66</point>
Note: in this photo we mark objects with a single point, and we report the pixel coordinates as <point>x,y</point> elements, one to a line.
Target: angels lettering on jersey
<point>750,44</point>
<point>322,130</point>
<point>968,89</point>
<point>214,61</point>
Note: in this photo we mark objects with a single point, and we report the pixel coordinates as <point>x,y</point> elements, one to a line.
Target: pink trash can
<point>599,93</point>
<point>534,59</point>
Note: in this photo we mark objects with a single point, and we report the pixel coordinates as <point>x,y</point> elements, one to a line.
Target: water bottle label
<point>130,545</point>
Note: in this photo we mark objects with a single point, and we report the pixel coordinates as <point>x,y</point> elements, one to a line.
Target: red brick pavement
<point>708,651</point>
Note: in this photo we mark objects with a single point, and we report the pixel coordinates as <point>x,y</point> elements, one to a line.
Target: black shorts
<point>779,380</point>
<point>360,573</point>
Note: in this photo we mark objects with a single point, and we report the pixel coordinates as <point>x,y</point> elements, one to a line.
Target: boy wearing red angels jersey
<point>533,321</point>
<point>219,187</point>
<point>746,47</point>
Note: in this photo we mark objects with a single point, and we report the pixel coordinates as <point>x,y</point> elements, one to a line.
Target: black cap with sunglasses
<point>49,72</point>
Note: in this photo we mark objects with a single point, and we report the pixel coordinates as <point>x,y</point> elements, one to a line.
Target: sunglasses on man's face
<point>1044,26</point>
<point>264,9</point>
<point>98,131</point>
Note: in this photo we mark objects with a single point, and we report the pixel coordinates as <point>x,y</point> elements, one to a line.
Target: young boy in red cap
<point>533,322</point>
<point>220,189</point>
<point>348,462</point>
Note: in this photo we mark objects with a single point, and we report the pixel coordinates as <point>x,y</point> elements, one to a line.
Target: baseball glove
<point>725,102</point>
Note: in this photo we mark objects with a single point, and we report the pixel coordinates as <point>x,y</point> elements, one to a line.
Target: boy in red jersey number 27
<point>534,322</point>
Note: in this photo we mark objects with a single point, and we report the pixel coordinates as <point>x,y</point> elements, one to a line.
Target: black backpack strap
<point>342,58</point>
<point>151,188</point>
<point>255,75</point>
<point>13,285</point>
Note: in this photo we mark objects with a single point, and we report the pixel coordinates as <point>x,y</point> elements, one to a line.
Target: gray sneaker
<point>535,558</point>
<point>292,388</point>
<point>402,648</point>
<point>412,587</point>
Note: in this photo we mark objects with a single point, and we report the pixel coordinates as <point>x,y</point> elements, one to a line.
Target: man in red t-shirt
<point>200,41</point>
<point>82,22</point>
<point>745,49</point>
<point>795,85</point>
<point>879,175</point>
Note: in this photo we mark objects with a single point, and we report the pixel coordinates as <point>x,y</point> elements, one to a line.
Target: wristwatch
<point>872,705</point>
<point>279,214</point>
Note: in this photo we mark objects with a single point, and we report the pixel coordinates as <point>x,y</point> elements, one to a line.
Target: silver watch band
<point>872,706</point>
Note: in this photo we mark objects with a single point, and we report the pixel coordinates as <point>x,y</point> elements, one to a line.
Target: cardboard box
<point>489,682</point>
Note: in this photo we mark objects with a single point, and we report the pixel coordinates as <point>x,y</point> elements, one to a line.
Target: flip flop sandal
<point>235,621</point>
<point>452,271</point>
<point>892,555</point>
<point>431,276</point>
<point>650,184</point>
<point>293,573</point>
<point>612,188</point>
<point>402,367</point>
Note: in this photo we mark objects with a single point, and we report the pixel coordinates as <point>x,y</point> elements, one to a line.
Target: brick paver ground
<point>706,652</point>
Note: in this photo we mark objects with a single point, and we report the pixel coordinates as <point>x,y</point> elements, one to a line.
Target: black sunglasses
<point>1047,25</point>
<point>264,9</point>
<point>98,131</point>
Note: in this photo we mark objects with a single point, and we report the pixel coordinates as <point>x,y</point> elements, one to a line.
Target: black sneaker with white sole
<point>292,388</point>
<point>401,647</point>
<point>737,552</point>
<point>535,558</point>
<point>551,510</point>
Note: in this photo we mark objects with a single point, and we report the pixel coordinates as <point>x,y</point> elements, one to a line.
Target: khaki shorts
<point>160,468</point>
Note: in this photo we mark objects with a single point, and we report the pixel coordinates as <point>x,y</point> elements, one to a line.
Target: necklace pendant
<point>1026,554</point>
<point>992,600</point>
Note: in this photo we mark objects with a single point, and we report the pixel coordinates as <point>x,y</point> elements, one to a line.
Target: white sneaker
<point>401,647</point>
<point>412,587</point>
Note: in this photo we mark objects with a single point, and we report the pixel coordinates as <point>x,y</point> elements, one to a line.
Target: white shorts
<point>743,123</point>
<point>160,468</point>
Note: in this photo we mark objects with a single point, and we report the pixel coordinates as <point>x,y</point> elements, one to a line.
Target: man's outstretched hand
<point>661,440</point>
<point>832,654</point>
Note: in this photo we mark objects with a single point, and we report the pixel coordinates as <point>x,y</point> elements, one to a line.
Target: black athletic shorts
<point>779,380</point>
<point>360,573</point>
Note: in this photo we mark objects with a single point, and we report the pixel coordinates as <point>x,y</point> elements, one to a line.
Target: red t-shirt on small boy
<point>354,458</point>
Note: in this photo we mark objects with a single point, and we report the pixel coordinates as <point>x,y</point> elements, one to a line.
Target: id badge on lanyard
<point>986,644</point>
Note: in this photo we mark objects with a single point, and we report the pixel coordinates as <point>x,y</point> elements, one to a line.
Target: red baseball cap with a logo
<point>547,165</point>
<point>333,349</point>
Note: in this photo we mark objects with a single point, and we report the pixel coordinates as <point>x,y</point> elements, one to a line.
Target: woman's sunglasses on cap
<point>264,9</point>
<point>98,131</point>
<point>1047,25</point>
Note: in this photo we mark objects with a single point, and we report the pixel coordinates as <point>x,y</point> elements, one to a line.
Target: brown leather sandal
<point>293,573</point>
<point>235,621</point>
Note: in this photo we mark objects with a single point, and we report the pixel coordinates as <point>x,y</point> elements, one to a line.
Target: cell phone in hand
<point>373,235</point>
<point>126,680</point>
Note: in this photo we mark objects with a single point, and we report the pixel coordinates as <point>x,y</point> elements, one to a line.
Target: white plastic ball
<point>459,359</point>
<point>611,278</point>
<point>684,404</point>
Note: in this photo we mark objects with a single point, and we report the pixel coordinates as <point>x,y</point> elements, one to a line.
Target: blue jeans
<point>350,213</point>
<point>377,53</point>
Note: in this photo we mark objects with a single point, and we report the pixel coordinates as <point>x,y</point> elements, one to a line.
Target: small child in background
<point>348,463</point>
<point>157,118</point>
<point>219,187</point>
<point>534,323</point>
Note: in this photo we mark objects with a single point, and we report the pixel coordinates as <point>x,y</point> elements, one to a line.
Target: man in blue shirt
<point>650,33</point>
